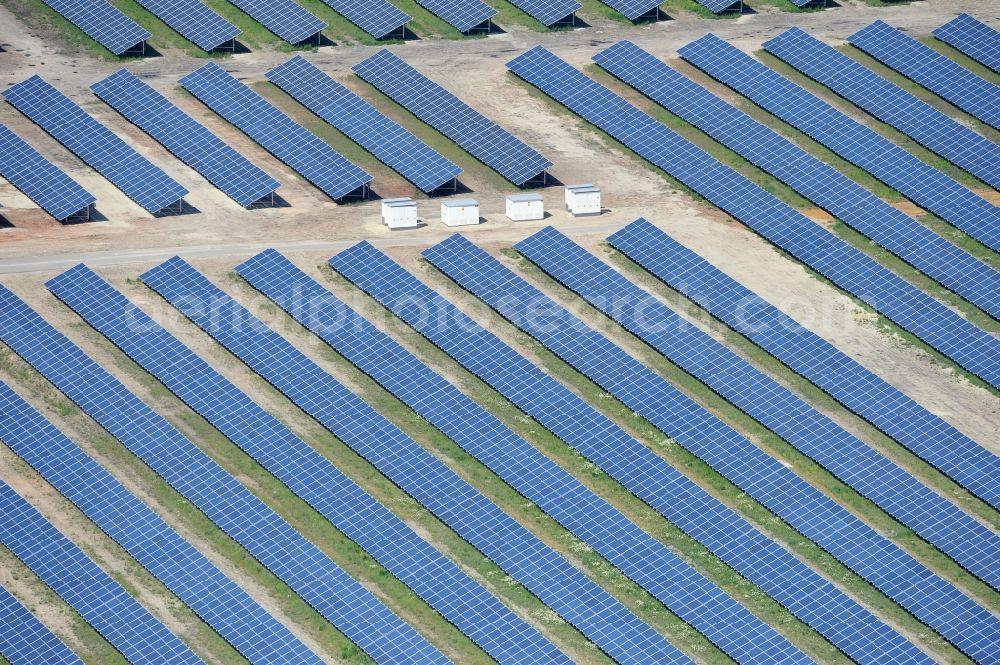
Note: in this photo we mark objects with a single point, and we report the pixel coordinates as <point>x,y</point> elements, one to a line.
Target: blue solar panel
<point>480,136</point>
<point>379,18</point>
<point>306,472</point>
<point>194,20</point>
<point>530,562</point>
<point>223,605</point>
<point>276,132</point>
<point>392,143</point>
<point>889,103</point>
<point>874,476</point>
<point>463,15</point>
<point>284,18</point>
<point>816,516</point>
<point>187,139</point>
<point>40,180</point>
<point>921,63</point>
<point>103,22</point>
<point>100,600</point>
<point>231,506</point>
<point>849,268</point>
<point>98,146</point>
<point>804,592</point>
<point>922,183</point>
<point>634,9</point>
<point>548,12</point>
<point>973,38</point>
<point>592,519</point>
<point>846,380</point>
<point>719,6</point>
<point>24,640</point>
<point>824,185</point>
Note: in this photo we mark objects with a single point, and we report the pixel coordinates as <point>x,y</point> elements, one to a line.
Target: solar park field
<point>750,413</point>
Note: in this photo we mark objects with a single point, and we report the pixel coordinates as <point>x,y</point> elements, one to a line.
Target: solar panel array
<point>920,182</point>
<point>889,103</point>
<point>548,12</point>
<point>24,640</point>
<point>463,15</point>
<point>846,266</point>
<point>379,18</point>
<point>99,599</point>
<point>821,183</point>
<point>973,38</point>
<point>186,138</point>
<point>634,9</point>
<point>930,598</point>
<point>284,138</point>
<point>872,475</point>
<point>846,380</point>
<point>809,596</point>
<point>480,136</point>
<point>573,595</point>
<point>719,6</point>
<point>194,20</point>
<point>285,18</point>
<point>306,472</point>
<point>231,506</point>
<point>592,519</point>
<point>141,180</point>
<point>938,73</point>
<point>105,23</point>
<point>392,143</point>
<point>223,605</point>
<point>40,180</point>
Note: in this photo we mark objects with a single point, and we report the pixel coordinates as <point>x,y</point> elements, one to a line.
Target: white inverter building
<point>525,207</point>
<point>460,212</point>
<point>399,213</point>
<point>583,200</point>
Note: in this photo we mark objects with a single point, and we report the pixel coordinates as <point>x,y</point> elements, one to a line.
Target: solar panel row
<point>392,143</point>
<point>816,516</point>
<point>24,640</point>
<point>232,507</point>
<point>549,12</point>
<point>719,6</point>
<point>584,604</point>
<point>920,182</point>
<point>824,185</point>
<point>919,62</point>
<point>874,476</point>
<point>480,136</point>
<point>635,9</point>
<point>463,15</point>
<point>889,103</point>
<point>98,146</point>
<point>187,139</point>
<point>284,138</point>
<point>223,605</point>
<point>105,23</point>
<point>846,266</point>
<point>846,380</point>
<point>973,38</point>
<point>306,472</point>
<point>195,21</point>
<point>810,597</point>
<point>100,600</point>
<point>592,519</point>
<point>40,180</point>
<point>285,18</point>
<point>379,18</point>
